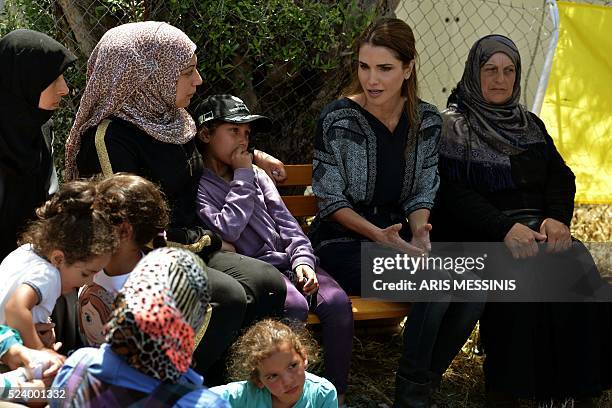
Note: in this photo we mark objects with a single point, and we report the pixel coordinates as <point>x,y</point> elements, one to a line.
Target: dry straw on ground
<point>375,356</point>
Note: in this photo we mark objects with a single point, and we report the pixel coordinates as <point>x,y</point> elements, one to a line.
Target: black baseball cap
<point>229,108</point>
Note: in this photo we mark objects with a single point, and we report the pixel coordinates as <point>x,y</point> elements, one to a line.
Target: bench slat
<point>370,309</point>
<point>298,175</point>
<point>301,206</point>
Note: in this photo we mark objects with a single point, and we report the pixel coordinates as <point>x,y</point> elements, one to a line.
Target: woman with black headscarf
<point>502,179</point>
<point>31,87</point>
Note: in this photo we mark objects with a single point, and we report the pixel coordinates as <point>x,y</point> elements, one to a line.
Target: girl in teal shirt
<point>274,359</point>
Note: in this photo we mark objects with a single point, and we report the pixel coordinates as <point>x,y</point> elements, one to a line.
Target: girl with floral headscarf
<point>132,118</point>
<point>502,180</point>
<point>150,340</point>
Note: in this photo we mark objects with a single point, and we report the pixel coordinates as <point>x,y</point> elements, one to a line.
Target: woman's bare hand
<point>271,165</point>
<point>522,241</point>
<point>390,237</point>
<point>558,234</point>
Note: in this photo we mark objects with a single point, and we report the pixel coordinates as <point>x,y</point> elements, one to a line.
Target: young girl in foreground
<point>61,251</point>
<point>274,358</point>
<point>241,203</point>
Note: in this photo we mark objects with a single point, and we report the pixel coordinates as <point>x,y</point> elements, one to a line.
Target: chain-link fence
<point>286,59</point>
<point>447,29</point>
<point>289,58</point>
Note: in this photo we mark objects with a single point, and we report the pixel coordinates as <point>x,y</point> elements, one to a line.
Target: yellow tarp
<point>577,108</point>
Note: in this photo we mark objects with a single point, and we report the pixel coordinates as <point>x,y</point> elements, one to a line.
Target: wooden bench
<point>300,175</point>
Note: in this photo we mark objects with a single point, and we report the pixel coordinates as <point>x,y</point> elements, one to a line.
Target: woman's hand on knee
<point>558,235</point>
<point>522,241</point>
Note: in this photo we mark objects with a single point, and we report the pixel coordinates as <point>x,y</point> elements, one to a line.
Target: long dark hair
<point>396,35</point>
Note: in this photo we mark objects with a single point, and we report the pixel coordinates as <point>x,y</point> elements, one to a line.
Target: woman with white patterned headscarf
<point>132,118</point>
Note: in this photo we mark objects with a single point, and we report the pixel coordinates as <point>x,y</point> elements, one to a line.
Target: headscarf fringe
<point>481,175</point>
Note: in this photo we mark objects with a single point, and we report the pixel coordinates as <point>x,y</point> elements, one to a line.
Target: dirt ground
<point>373,368</point>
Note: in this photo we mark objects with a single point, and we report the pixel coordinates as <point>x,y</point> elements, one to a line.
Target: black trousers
<point>343,262</point>
<point>550,349</point>
<point>433,335</point>
<point>244,290</point>
<point>66,321</point>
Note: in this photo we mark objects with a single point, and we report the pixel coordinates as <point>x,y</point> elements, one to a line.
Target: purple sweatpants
<point>334,309</point>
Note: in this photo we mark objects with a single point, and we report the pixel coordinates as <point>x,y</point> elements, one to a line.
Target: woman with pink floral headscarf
<point>132,118</point>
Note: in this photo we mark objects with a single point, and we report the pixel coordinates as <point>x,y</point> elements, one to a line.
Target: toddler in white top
<point>62,250</point>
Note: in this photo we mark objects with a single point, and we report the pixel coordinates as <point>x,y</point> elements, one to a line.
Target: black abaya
<point>29,62</point>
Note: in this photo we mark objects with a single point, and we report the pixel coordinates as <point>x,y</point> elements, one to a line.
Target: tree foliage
<point>285,58</point>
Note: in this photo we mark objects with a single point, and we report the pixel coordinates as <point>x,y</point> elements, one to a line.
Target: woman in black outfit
<point>31,87</point>
<point>375,175</point>
<point>132,118</point>
<point>502,179</point>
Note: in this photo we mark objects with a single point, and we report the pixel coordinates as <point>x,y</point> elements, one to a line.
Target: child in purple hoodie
<point>240,202</point>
